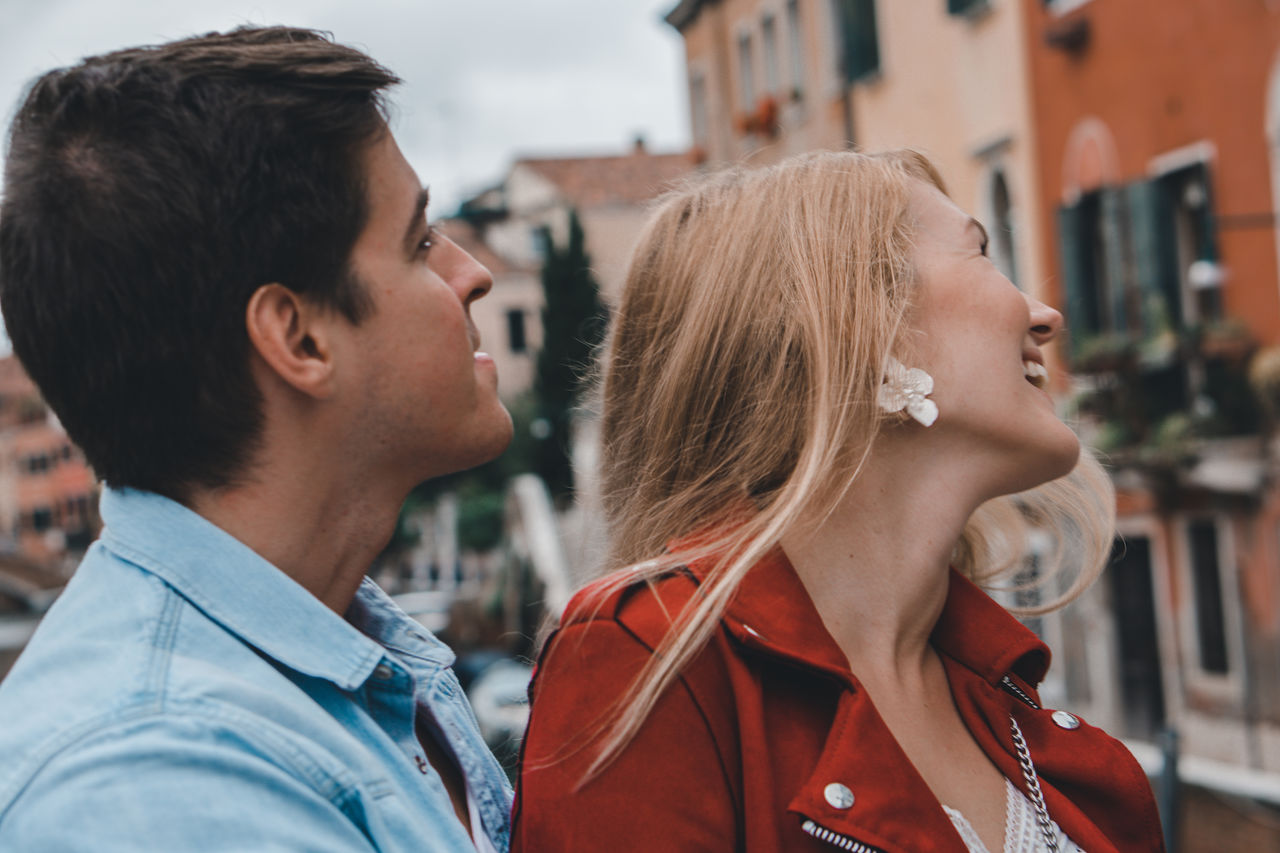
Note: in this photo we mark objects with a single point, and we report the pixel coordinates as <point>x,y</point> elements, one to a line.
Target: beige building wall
<point>953,86</point>
<point>512,292</point>
<point>612,231</point>
<point>534,203</point>
<point>958,88</point>
<point>516,290</point>
<point>802,83</point>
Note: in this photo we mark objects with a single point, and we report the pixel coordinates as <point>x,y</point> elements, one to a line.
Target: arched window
<point>1002,234</point>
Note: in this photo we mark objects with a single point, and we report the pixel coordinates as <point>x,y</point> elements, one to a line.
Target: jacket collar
<point>772,611</point>
<point>244,593</point>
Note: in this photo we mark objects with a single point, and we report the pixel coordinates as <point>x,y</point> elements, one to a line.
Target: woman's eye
<point>983,247</point>
<point>427,241</point>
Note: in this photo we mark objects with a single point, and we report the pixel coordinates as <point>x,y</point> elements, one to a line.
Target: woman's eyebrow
<point>973,223</point>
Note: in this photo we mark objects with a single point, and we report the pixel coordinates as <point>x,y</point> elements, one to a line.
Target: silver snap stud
<point>838,796</point>
<point>382,672</point>
<point>1063,720</point>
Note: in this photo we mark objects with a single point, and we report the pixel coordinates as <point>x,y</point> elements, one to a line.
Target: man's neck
<point>322,534</point>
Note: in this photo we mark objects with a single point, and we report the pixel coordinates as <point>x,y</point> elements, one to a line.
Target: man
<point>215,263</point>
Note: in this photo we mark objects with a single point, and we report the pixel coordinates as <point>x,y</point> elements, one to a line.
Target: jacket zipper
<point>844,842</point>
<point>1008,685</point>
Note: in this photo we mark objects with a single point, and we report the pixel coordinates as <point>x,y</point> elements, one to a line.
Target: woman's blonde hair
<point>742,371</point>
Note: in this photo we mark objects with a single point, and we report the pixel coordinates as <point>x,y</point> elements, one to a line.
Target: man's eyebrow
<point>418,219</point>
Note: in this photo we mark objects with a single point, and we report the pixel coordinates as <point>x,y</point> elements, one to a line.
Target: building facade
<point>48,494</point>
<point>1157,161</point>
<point>48,509</point>
<point>504,228</point>
<point>772,78</point>
<point>508,319</point>
<point>608,193</point>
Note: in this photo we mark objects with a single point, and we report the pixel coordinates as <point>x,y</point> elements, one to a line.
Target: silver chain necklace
<point>1033,788</point>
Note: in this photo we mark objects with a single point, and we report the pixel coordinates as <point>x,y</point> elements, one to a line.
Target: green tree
<point>573,323</point>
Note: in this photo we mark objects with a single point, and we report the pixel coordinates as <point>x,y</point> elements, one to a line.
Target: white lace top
<point>1021,832</point>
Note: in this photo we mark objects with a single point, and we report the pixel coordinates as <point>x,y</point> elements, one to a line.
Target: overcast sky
<point>485,80</point>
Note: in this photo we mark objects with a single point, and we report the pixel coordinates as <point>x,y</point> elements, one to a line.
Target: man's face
<point>429,398</point>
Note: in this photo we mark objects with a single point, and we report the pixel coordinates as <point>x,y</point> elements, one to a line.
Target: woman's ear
<point>290,333</point>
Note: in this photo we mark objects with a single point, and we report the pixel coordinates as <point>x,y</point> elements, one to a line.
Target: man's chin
<point>505,433</point>
<point>490,443</point>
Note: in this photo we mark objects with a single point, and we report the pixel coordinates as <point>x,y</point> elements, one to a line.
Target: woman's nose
<point>1046,322</point>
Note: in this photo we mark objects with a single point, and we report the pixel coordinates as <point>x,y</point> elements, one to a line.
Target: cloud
<point>485,80</point>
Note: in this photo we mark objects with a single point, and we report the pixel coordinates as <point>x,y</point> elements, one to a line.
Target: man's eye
<point>427,241</point>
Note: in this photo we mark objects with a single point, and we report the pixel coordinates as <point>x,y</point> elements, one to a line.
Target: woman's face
<point>980,338</point>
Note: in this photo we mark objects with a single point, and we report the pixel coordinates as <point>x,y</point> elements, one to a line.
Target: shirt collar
<point>234,586</point>
<point>772,610</point>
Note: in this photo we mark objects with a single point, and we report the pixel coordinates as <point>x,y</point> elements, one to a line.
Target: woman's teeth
<point>1035,373</point>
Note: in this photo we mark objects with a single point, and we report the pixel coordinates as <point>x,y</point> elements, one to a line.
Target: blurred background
<point>1124,157</point>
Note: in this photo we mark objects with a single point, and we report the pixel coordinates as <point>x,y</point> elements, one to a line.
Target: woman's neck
<point>877,566</point>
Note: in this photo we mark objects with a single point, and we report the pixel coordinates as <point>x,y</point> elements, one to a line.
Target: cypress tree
<point>573,323</point>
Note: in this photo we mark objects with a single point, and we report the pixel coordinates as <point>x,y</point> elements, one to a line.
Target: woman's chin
<point>1055,460</point>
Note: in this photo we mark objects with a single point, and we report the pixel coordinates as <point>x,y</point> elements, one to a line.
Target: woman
<point>818,396</point>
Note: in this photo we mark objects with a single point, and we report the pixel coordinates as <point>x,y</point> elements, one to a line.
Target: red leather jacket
<point>739,752</point>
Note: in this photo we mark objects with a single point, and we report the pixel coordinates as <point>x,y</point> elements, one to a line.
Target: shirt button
<point>382,672</point>
<point>838,796</point>
<point>1063,720</point>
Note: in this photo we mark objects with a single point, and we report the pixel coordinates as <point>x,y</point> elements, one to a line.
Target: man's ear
<point>291,334</point>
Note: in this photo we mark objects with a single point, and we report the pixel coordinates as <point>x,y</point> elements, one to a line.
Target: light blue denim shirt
<point>185,695</point>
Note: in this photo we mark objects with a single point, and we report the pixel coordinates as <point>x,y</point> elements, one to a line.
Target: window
<point>1140,259</point>
<point>795,49</point>
<point>82,508</point>
<point>769,40</point>
<point>41,519</point>
<point>698,107</point>
<point>516,338</point>
<point>746,80</point>
<point>1098,301</point>
<point>1060,7</point>
<point>1131,586</point>
<point>1001,248</point>
<point>539,238</point>
<point>1206,580</point>
<point>1186,194</point>
<point>859,48</point>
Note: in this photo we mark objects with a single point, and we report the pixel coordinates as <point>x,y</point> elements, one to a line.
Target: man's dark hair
<point>148,193</point>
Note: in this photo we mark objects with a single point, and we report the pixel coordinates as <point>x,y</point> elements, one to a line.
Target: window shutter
<point>1081,321</point>
<point>1113,259</point>
<point>1154,258</point>
<point>861,48</point>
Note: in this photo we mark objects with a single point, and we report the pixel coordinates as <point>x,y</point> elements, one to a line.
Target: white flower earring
<point>908,388</point>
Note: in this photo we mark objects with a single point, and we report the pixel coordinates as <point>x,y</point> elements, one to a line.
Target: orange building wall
<point>1162,76</point>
